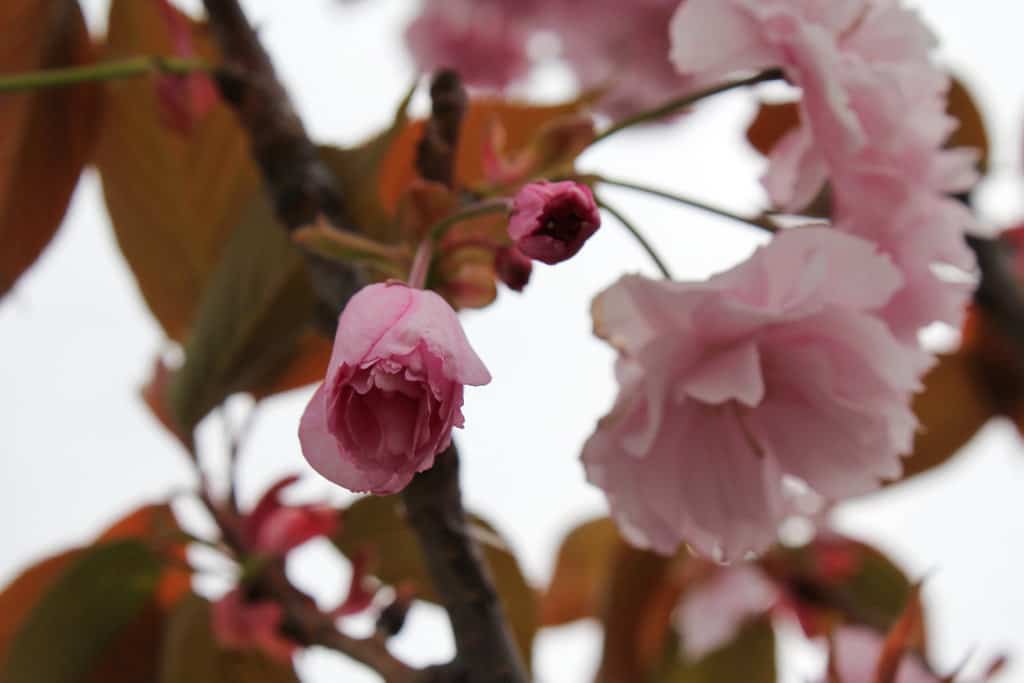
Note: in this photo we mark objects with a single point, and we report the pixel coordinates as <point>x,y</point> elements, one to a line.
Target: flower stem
<point>472,211</point>
<point>421,264</point>
<point>675,104</point>
<point>757,222</point>
<point>638,236</point>
<point>101,71</point>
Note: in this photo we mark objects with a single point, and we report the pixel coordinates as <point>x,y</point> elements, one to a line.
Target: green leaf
<point>254,311</point>
<point>750,658</point>
<point>102,590</point>
<point>375,524</point>
<point>192,655</point>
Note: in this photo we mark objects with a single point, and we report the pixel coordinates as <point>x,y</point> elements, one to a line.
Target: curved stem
<point>757,222</point>
<point>638,236</point>
<point>674,105</point>
<point>102,71</point>
<point>438,230</point>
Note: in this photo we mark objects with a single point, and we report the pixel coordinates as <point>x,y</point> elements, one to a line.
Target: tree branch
<point>486,651</point>
<point>300,185</point>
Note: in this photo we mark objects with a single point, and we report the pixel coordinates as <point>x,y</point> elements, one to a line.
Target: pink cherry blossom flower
<point>551,221</point>
<point>484,41</point>
<point>393,390</point>
<point>275,528</point>
<point>621,47</point>
<point>712,613</point>
<point>873,125</point>
<point>776,369</point>
<point>242,625</point>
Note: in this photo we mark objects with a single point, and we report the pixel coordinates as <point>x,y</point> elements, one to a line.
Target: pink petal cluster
<point>873,125</point>
<point>856,654</point>
<point>393,390</point>
<point>713,612</point>
<point>551,221</point>
<point>239,624</point>
<point>274,528</point>
<point>607,44</point>
<point>484,40</point>
<point>776,370</point>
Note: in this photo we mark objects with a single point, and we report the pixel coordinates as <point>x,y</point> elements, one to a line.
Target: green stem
<point>472,211</point>
<point>101,71</point>
<point>757,222</point>
<point>674,105</point>
<point>638,236</point>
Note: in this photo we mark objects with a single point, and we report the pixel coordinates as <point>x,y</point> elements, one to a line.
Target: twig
<point>638,236</point>
<point>676,104</point>
<point>760,222</point>
<point>101,71</point>
<point>435,153</point>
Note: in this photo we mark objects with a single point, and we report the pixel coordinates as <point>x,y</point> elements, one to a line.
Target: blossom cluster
<point>604,45</point>
<point>785,379</point>
<point>791,374</point>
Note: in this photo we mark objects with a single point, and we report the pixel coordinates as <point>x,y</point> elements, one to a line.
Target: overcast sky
<point>79,447</point>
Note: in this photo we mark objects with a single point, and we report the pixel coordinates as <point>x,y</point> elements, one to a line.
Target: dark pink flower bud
<point>393,390</point>
<point>513,267</point>
<point>551,221</point>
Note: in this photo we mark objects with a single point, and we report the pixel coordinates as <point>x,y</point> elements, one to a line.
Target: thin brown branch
<point>486,651</point>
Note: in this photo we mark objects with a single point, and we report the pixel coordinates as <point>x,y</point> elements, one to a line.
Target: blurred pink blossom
<point>777,368</point>
<point>857,651</point>
<point>242,625</point>
<point>551,221</point>
<point>484,40</point>
<point>393,390</point>
<point>275,528</point>
<point>712,612</point>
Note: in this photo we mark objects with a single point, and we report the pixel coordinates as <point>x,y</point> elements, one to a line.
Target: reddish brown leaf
<point>906,635</point>
<point>634,591</point>
<point>581,574</point>
<point>954,405</point>
<point>521,123</point>
<point>45,136</point>
<point>771,123</point>
<point>173,200</point>
<point>972,132</point>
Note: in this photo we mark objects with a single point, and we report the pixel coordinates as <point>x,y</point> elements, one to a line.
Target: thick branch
<point>486,650</point>
<point>300,185</point>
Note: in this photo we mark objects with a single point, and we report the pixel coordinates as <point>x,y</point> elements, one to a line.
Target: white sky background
<point>79,447</point>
